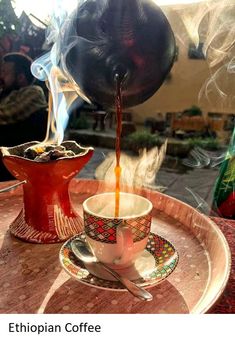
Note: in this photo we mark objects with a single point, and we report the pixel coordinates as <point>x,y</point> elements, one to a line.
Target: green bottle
<point>224,192</point>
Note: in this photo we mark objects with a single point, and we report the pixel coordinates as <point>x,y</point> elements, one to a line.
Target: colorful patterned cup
<point>117,241</point>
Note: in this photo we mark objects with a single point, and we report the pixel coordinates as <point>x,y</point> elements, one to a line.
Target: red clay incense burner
<point>47,215</point>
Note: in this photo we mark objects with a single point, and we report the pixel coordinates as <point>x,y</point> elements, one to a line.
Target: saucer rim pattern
<point>82,275</point>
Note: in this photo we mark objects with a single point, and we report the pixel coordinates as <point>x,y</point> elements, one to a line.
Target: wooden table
<point>32,280</point>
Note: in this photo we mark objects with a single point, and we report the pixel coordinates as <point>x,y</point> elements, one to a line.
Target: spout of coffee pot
<point>118,70</point>
<point>120,73</point>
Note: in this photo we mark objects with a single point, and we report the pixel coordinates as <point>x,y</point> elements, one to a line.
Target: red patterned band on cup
<point>104,230</point>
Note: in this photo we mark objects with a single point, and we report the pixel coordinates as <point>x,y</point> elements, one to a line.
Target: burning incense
<point>47,153</point>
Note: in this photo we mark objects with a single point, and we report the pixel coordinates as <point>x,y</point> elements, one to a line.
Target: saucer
<point>155,264</point>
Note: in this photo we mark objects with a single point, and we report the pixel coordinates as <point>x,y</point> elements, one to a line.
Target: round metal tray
<point>32,280</point>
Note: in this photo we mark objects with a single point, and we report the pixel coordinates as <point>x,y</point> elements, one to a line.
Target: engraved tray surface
<point>32,280</point>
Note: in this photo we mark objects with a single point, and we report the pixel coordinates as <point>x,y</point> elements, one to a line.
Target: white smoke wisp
<point>219,50</point>
<point>137,172</point>
<point>49,68</point>
<point>200,204</point>
<point>210,22</point>
<point>201,158</point>
<point>220,36</point>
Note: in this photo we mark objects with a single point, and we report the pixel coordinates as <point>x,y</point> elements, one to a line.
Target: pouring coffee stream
<point>119,53</point>
<point>118,169</point>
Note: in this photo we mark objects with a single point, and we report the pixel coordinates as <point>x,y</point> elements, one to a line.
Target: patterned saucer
<point>155,264</point>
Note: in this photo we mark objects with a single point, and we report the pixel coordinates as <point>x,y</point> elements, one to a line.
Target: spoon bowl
<point>83,251</point>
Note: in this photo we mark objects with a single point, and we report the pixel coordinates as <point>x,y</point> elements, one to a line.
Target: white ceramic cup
<point>117,241</point>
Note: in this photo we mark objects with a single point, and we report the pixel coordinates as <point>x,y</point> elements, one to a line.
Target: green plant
<point>142,139</point>
<point>80,123</point>
<point>193,111</point>
<point>205,143</point>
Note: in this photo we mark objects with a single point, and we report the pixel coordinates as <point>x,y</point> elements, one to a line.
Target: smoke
<point>212,23</point>
<point>200,204</point>
<point>200,158</point>
<point>220,37</point>
<point>63,91</point>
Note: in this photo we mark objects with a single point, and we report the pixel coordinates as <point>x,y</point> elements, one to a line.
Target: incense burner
<point>47,215</point>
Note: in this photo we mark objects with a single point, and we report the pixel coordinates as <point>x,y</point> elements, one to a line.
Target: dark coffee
<point>118,170</point>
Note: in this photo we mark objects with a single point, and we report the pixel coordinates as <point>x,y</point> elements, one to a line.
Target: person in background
<point>19,98</point>
<point>23,106</point>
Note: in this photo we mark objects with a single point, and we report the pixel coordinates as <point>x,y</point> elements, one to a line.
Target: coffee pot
<point>128,40</point>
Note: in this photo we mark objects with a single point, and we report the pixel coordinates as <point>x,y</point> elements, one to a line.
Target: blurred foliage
<point>142,139</point>
<point>80,122</point>
<point>9,23</point>
<point>210,143</point>
<point>193,111</point>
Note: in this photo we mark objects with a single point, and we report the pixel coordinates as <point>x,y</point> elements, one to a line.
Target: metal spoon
<point>83,252</point>
<point>11,187</point>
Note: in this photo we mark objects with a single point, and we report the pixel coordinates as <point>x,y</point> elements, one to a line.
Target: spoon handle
<point>134,289</point>
<point>11,187</point>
